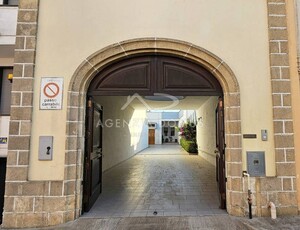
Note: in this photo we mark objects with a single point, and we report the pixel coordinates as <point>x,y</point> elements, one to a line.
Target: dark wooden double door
<point>147,75</point>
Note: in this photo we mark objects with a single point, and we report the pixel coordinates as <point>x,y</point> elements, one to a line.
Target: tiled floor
<point>165,149</point>
<point>159,181</point>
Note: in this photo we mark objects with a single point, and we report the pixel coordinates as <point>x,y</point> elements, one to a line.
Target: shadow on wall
<point>206,130</point>
<point>125,132</point>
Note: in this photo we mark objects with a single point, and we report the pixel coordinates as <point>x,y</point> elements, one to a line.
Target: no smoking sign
<point>51,93</point>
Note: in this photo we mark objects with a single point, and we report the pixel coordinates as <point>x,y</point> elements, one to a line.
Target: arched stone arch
<point>93,64</point>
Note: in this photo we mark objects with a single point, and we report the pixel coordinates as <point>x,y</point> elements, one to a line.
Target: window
<point>5,91</point>
<point>166,130</point>
<point>152,125</point>
<point>172,131</point>
<point>9,2</point>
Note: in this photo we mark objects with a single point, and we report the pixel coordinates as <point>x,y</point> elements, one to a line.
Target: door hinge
<point>90,103</point>
<point>225,179</point>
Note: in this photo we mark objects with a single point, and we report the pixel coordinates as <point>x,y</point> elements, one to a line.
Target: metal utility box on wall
<point>45,148</point>
<point>256,165</point>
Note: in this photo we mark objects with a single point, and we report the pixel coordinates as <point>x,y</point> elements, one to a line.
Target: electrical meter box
<point>256,165</point>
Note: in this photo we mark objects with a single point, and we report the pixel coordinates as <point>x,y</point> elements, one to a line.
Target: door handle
<point>216,151</point>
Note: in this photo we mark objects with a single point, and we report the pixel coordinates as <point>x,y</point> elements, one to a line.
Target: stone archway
<point>94,63</point>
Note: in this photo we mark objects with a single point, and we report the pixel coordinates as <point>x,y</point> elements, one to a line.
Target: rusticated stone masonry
<point>28,203</point>
<point>281,189</point>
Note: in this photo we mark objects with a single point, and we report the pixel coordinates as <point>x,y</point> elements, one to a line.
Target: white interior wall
<point>206,130</point>
<point>158,133</point>
<point>125,132</point>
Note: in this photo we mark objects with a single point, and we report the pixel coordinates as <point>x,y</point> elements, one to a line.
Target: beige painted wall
<point>71,30</point>
<point>125,133</point>
<point>206,130</point>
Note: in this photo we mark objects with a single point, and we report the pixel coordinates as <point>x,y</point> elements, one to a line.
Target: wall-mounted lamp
<point>10,77</point>
<point>200,121</point>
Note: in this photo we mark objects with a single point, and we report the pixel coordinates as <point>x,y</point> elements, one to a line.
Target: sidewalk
<point>291,222</point>
<point>222,222</point>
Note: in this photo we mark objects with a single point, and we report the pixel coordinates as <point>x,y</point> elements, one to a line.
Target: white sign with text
<point>51,93</point>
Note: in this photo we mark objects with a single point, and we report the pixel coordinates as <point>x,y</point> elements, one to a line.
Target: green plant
<point>189,146</point>
<point>188,135</point>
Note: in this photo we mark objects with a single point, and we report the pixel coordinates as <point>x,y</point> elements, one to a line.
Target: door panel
<point>93,155</point>
<point>157,73</point>
<point>151,137</point>
<point>220,153</point>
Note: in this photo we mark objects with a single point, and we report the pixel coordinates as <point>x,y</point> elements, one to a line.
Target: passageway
<point>162,180</point>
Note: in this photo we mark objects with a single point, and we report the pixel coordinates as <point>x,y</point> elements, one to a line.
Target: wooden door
<point>151,137</point>
<point>93,155</point>
<point>151,74</point>
<point>220,153</point>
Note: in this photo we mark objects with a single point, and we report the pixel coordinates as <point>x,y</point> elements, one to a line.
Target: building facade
<point>162,127</point>
<point>246,52</point>
<point>8,23</point>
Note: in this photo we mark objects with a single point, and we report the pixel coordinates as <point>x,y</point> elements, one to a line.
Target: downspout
<point>249,194</point>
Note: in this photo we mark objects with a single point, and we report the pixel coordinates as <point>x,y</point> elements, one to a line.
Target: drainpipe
<point>249,193</point>
<point>273,210</point>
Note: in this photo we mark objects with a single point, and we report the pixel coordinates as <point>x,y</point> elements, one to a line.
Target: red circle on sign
<point>51,90</point>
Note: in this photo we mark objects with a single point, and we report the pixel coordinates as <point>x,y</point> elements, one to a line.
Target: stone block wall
<point>281,189</point>
<point>29,203</point>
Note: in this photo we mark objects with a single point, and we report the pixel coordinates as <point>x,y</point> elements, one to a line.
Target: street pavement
<point>211,222</point>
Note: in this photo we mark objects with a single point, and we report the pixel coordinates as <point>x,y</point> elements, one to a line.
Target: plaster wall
<point>225,28</point>
<point>206,130</point>
<point>125,132</point>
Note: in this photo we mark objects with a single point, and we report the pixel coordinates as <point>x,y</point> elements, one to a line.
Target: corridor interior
<point>156,180</point>
<point>162,180</point>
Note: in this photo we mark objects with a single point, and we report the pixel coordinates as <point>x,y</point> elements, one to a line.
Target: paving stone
<point>162,178</point>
